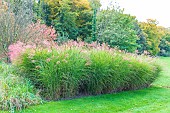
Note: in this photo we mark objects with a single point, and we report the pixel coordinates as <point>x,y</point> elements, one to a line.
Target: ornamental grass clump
<point>112,71</point>
<point>16,92</point>
<point>56,73</point>
<point>75,69</point>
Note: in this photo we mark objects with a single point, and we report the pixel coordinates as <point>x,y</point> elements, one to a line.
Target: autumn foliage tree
<point>71,18</point>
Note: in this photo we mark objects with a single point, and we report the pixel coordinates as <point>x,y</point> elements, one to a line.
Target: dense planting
<point>44,63</point>
<point>15,92</point>
<point>78,69</point>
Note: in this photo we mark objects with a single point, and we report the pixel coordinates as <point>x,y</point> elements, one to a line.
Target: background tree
<point>95,4</point>
<point>153,36</point>
<point>13,20</point>
<point>165,43</point>
<point>42,12</point>
<point>142,39</point>
<point>117,29</point>
<point>71,18</point>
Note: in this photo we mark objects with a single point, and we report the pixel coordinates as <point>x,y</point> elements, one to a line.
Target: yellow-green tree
<point>153,36</point>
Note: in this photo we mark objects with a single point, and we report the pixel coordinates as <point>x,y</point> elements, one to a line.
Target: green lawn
<point>155,99</point>
<point>164,79</point>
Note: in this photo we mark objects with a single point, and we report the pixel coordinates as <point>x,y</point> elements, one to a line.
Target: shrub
<point>15,92</point>
<point>85,69</point>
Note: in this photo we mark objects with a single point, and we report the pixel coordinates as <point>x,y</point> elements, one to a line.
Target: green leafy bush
<point>15,92</point>
<point>85,69</point>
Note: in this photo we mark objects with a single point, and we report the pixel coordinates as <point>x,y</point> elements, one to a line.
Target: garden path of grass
<point>155,99</point>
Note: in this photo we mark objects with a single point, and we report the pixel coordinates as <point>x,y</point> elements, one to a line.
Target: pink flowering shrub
<point>16,49</point>
<point>40,31</point>
<point>38,36</point>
